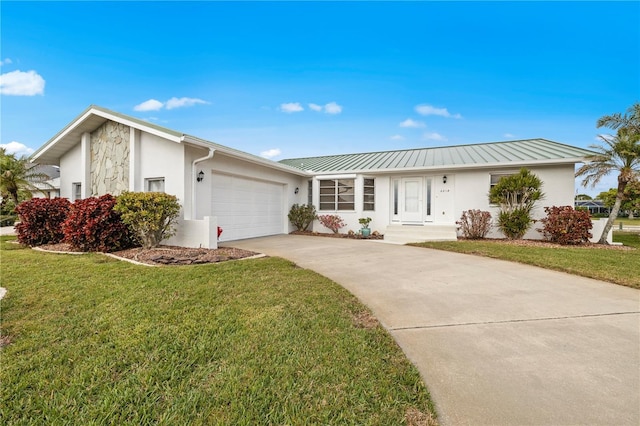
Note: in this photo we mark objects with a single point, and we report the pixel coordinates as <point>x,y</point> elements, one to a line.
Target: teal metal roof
<point>515,153</point>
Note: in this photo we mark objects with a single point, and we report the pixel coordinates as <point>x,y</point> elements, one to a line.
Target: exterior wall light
<point>200,176</point>
<point>296,190</point>
<point>444,179</point>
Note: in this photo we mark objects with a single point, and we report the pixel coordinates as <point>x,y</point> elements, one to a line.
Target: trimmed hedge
<point>93,225</point>
<point>41,221</point>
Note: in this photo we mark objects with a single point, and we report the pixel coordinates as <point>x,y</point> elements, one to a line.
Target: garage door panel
<point>247,208</point>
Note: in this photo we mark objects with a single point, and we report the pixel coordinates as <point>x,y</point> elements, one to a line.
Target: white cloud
<point>19,83</point>
<point>332,108</point>
<point>150,105</point>
<point>156,105</point>
<point>291,107</point>
<point>509,135</point>
<point>434,137</point>
<point>412,123</point>
<point>397,138</point>
<point>183,102</point>
<point>270,153</point>
<point>6,61</point>
<point>17,148</point>
<point>430,110</point>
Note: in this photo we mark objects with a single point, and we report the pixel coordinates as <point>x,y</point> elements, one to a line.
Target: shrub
<point>150,215</point>
<point>93,225</point>
<point>475,224</point>
<point>564,225</point>
<point>302,215</point>
<point>41,220</point>
<point>516,195</point>
<point>332,221</point>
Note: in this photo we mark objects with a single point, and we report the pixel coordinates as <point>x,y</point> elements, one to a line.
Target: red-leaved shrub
<point>475,224</point>
<point>93,225</point>
<point>332,221</point>
<point>41,220</point>
<point>564,225</point>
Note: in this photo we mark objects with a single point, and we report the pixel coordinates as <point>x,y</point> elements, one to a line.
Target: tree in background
<point>18,177</point>
<point>619,154</point>
<point>516,195</point>
<point>584,197</point>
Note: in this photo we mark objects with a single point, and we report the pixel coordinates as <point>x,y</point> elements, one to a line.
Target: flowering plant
<point>332,221</point>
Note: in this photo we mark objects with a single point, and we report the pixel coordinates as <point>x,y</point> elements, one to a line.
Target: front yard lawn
<point>91,340</point>
<point>616,266</point>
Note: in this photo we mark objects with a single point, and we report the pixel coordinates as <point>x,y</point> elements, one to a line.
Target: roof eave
<point>234,153</point>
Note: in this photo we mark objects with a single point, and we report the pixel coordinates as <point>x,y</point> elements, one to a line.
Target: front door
<point>411,200</point>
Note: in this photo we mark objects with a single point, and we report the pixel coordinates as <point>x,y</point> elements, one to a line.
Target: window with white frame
<point>310,193</point>
<point>337,194</point>
<point>154,184</point>
<point>495,178</point>
<point>77,191</point>
<point>369,194</point>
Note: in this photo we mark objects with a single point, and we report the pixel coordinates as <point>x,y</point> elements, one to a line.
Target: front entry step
<point>403,234</point>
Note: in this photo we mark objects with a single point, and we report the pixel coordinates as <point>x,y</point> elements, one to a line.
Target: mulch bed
<point>170,255</point>
<point>541,243</point>
<point>354,236</point>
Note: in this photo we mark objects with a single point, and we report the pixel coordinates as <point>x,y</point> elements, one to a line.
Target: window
<point>336,194</point>
<point>496,178</point>
<point>154,185</point>
<point>369,196</point>
<point>428,198</point>
<point>310,193</point>
<point>77,191</point>
<point>396,190</point>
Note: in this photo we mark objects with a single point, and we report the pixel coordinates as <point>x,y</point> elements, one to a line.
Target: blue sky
<point>298,79</point>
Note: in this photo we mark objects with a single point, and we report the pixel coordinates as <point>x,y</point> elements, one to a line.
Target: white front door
<point>411,200</point>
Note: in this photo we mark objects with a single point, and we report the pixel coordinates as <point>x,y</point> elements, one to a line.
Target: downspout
<point>193,180</point>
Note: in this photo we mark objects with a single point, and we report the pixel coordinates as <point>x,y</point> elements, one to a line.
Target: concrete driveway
<point>497,343</point>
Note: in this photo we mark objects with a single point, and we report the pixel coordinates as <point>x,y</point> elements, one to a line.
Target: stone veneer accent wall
<point>110,159</point>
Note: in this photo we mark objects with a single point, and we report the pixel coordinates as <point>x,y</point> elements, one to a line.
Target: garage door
<point>247,208</point>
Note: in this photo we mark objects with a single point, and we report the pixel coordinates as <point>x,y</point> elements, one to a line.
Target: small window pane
<point>310,193</point>
<point>369,190</point>
<point>155,185</point>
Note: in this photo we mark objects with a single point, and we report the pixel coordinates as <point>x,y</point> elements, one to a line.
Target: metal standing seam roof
<point>505,153</point>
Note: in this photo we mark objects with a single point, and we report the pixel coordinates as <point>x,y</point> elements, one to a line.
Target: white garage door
<point>247,208</point>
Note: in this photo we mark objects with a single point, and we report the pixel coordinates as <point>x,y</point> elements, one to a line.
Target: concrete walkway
<point>497,343</point>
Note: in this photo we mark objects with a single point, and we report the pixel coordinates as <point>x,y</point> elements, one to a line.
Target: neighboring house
<point>49,188</point>
<point>411,195</point>
<point>594,206</point>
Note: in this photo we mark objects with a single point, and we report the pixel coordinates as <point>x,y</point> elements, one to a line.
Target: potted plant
<point>364,222</point>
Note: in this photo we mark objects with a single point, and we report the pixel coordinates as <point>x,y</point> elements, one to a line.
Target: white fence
<point>196,233</point>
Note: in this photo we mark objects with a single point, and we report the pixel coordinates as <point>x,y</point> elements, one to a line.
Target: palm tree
<point>18,177</point>
<point>619,153</point>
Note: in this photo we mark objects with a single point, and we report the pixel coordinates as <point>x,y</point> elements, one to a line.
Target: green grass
<point>626,221</point>
<point>616,266</point>
<point>93,340</point>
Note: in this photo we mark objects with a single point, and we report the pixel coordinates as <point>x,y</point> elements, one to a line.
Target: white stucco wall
<point>161,158</point>
<point>464,190</point>
<point>472,192</point>
<point>70,171</point>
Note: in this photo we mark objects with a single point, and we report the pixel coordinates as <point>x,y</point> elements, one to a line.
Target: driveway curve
<point>498,343</point>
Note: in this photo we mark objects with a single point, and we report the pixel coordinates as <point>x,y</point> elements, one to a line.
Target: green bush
<point>516,195</point>
<point>302,215</point>
<point>151,216</point>
<point>514,224</point>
